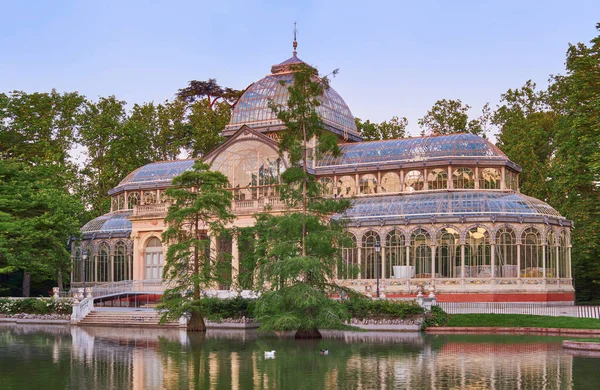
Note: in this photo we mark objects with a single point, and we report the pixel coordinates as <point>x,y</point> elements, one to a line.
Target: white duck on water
<point>270,354</point>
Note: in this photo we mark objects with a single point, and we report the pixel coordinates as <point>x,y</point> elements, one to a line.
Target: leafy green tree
<point>576,97</point>
<point>297,252</point>
<point>200,202</point>
<point>392,129</point>
<point>527,128</point>
<point>451,117</point>
<point>208,113</point>
<point>37,218</point>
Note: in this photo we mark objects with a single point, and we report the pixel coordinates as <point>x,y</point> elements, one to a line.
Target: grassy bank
<point>521,321</point>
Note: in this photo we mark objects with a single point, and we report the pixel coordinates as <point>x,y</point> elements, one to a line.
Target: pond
<point>56,357</point>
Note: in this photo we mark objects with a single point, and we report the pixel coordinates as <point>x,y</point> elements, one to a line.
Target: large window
<point>252,168</point>
<point>551,255</point>
<point>133,199</point>
<point>390,182</point>
<point>102,264</point>
<point>89,264</point>
<point>531,254</point>
<point>395,255</point>
<point>420,253</point>
<point>463,178</point>
<point>369,254</point>
<point>437,179</point>
<point>413,181</point>
<point>346,185</point>
<point>77,273</point>
<point>121,263</point>
<point>563,256</point>
<point>348,267</point>
<point>368,184</point>
<point>153,259</point>
<point>489,179</point>
<point>478,254</point>
<point>326,187</point>
<point>447,257</point>
<point>506,253</point>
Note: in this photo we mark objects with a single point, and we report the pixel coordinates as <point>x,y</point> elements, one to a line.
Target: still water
<point>55,357</point>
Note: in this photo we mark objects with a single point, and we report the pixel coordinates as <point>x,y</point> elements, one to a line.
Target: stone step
<point>125,319</point>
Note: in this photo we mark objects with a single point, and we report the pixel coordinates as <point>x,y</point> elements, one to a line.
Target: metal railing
<point>520,308</point>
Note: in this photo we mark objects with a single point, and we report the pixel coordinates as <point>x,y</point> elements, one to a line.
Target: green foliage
<point>392,129</point>
<point>436,317</point>
<point>554,135</point>
<point>199,202</point>
<point>451,117</point>
<point>216,309</point>
<point>362,308</point>
<point>521,321</point>
<point>35,306</point>
<point>37,218</point>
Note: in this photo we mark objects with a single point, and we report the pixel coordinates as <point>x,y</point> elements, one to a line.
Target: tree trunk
<point>26,284</point>
<point>196,323</point>
<point>308,334</point>
<point>59,280</point>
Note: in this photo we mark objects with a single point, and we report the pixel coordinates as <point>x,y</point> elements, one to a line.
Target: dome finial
<point>295,43</point>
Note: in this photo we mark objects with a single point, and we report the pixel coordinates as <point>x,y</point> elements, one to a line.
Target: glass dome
<point>460,204</point>
<point>252,109</point>
<point>112,224</point>
<point>413,149</point>
<point>156,173</point>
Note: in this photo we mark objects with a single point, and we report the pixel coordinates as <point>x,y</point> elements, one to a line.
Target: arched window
<point>478,254</point>
<point>253,169</point>
<point>395,255</point>
<point>153,259</point>
<point>463,178</point>
<point>368,184</point>
<point>102,264</point>
<point>447,257</point>
<point>121,263</point>
<point>89,263</point>
<point>114,203</point>
<point>133,199</point>
<point>506,253</point>
<point>437,179</point>
<point>326,187</point>
<point>121,201</point>
<point>420,253</point>
<point>552,251</point>
<point>346,186</point>
<point>531,254</point>
<point>149,197</point>
<point>563,256</point>
<point>413,181</point>
<point>77,272</point>
<point>347,269</point>
<point>369,254</point>
<point>512,182</point>
<point>489,179</point>
<point>390,182</point>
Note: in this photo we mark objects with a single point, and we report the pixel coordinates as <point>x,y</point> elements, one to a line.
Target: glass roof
<point>157,172</point>
<point>109,223</point>
<point>448,204</point>
<point>253,107</point>
<point>413,149</point>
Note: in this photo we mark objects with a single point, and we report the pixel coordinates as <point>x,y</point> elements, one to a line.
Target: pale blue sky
<point>395,58</point>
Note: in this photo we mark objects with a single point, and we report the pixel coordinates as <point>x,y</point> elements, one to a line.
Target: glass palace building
<point>442,212</point>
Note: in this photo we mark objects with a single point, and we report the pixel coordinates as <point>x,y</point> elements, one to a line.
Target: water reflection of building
<point>170,359</point>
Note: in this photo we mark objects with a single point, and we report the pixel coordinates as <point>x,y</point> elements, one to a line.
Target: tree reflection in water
<point>61,357</point>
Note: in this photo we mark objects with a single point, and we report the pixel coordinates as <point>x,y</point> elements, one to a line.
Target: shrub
<point>35,306</point>
<point>217,309</point>
<point>437,317</point>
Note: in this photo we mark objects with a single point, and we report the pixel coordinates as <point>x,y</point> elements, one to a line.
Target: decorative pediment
<point>244,133</point>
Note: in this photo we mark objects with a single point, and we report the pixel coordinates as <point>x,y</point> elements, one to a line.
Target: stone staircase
<point>126,318</point>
